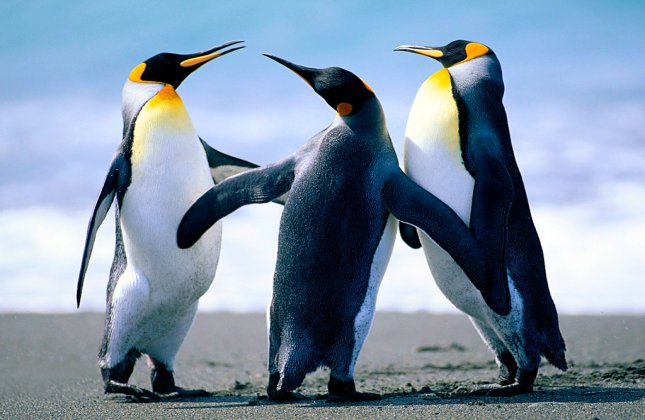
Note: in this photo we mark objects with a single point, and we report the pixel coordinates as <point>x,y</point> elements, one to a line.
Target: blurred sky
<point>575,97</point>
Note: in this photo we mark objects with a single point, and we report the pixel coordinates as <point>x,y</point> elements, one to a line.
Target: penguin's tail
<point>554,352</point>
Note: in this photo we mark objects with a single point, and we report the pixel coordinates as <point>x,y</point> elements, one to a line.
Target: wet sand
<point>424,366</point>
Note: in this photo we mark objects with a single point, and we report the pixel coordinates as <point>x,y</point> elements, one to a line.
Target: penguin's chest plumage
<point>169,172</point>
<point>433,155</point>
<point>433,159</point>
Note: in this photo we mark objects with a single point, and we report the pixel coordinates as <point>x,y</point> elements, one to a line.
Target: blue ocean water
<point>575,96</point>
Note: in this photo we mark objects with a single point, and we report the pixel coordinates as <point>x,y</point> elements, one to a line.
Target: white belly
<point>152,209</point>
<point>433,160</point>
<point>363,321</point>
<point>169,173</point>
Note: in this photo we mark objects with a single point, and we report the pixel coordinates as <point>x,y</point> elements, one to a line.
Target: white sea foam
<point>594,264</point>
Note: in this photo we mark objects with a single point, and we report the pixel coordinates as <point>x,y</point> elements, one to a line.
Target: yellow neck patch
<point>434,119</point>
<point>168,93</point>
<point>440,80</point>
<point>344,109</point>
<point>162,119</point>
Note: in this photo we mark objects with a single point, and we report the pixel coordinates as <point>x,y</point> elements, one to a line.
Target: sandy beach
<point>424,366</point>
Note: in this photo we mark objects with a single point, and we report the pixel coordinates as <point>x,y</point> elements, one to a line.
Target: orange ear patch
<point>135,74</point>
<point>344,108</point>
<point>475,49</point>
<point>367,86</point>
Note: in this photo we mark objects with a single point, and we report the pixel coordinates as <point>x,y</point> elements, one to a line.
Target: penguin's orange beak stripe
<point>199,60</point>
<point>427,51</point>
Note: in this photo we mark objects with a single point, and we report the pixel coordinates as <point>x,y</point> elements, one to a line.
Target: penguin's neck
<point>370,118</point>
<point>164,132</point>
<point>134,96</point>
<point>470,74</point>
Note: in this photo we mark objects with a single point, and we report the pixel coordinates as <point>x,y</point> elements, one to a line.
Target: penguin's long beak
<point>305,73</point>
<point>427,51</point>
<point>202,57</point>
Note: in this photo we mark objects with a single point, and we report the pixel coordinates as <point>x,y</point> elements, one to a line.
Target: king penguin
<point>458,147</point>
<point>160,168</point>
<point>336,234</point>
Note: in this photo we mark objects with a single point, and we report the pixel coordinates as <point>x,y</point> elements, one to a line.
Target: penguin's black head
<point>456,52</point>
<point>341,89</point>
<point>172,69</point>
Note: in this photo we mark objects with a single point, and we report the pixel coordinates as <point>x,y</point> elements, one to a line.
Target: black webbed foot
<point>345,391</point>
<point>523,385</point>
<point>178,392</point>
<point>280,395</point>
<point>113,387</point>
<point>163,384</point>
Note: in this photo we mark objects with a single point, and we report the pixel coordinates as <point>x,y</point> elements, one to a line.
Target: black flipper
<point>409,235</point>
<point>412,204</point>
<point>259,185</point>
<point>225,166</point>
<point>492,198</point>
<point>101,208</point>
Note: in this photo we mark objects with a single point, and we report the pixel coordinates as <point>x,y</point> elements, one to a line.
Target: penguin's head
<point>456,52</point>
<point>172,69</point>
<point>341,89</point>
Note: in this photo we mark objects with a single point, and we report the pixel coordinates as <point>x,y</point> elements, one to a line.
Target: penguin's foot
<point>523,385</point>
<point>281,395</point>
<point>503,391</point>
<point>113,387</point>
<point>507,369</point>
<point>178,392</point>
<point>163,384</point>
<point>345,391</point>
<point>355,397</point>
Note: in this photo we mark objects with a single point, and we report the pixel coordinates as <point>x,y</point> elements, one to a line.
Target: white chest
<point>433,160</point>
<point>432,151</point>
<point>169,172</point>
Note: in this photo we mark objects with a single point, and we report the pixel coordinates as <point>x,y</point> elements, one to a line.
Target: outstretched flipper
<point>409,235</point>
<point>258,185</point>
<point>101,208</point>
<point>412,204</point>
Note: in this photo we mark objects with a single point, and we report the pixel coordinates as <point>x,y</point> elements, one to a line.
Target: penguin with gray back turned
<point>160,168</point>
<point>336,234</point>
<point>458,147</point>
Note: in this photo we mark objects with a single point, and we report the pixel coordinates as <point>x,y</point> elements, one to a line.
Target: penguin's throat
<point>439,80</point>
<point>168,111</point>
<point>168,93</point>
